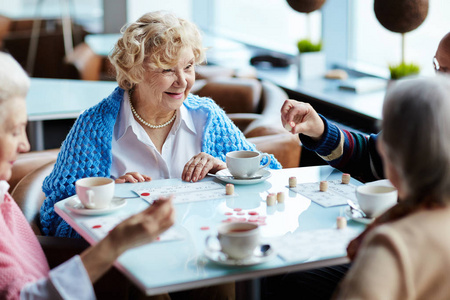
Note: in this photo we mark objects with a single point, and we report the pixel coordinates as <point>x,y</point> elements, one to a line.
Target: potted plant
<point>311,60</point>
<point>403,69</point>
<point>401,16</point>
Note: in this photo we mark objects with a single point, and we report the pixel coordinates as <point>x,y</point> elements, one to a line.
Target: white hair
<point>416,135</point>
<point>14,82</point>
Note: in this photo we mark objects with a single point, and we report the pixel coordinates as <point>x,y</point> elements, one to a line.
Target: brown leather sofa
<point>15,37</point>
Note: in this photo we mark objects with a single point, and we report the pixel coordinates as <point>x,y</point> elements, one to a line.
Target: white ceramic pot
<point>311,65</point>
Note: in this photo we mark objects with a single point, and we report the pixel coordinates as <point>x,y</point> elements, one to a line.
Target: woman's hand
<point>302,118</point>
<point>133,177</point>
<point>137,230</point>
<point>145,226</point>
<point>200,165</point>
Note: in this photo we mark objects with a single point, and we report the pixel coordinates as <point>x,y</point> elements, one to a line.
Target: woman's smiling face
<point>168,88</point>
<point>13,137</point>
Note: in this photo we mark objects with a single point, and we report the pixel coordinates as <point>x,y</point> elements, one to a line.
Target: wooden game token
<point>341,222</point>
<point>345,178</point>
<point>292,182</point>
<point>323,186</point>
<point>229,189</point>
<point>271,199</point>
<point>288,127</point>
<point>280,197</point>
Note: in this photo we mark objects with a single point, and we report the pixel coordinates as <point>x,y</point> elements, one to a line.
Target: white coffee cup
<point>95,192</point>
<point>244,164</point>
<point>376,199</point>
<point>237,240</point>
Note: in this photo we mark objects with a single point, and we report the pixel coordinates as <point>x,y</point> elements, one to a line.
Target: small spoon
<point>236,178</point>
<point>353,206</point>
<point>264,250</point>
<point>117,198</point>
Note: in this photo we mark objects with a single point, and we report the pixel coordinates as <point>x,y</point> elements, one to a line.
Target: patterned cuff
<point>329,141</point>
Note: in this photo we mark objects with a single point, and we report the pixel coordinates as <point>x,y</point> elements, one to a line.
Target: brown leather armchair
<point>254,106</point>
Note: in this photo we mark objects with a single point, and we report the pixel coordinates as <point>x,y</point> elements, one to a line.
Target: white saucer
<point>366,221</point>
<point>221,258</point>
<point>75,205</point>
<point>225,173</point>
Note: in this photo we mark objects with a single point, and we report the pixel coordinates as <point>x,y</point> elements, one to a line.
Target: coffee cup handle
<point>90,195</point>
<point>208,242</point>
<point>268,160</point>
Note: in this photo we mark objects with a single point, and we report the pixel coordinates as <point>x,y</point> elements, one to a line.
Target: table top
<point>51,99</point>
<point>168,266</point>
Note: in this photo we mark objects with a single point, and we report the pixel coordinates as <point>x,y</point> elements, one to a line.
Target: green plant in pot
<point>403,69</point>
<point>306,45</point>
<point>401,16</point>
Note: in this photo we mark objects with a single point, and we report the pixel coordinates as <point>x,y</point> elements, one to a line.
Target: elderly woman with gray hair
<point>24,270</point>
<point>150,126</point>
<point>405,253</point>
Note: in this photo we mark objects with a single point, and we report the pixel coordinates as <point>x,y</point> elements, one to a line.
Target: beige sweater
<point>406,259</point>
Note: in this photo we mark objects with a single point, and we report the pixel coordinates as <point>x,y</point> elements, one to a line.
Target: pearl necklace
<point>145,122</point>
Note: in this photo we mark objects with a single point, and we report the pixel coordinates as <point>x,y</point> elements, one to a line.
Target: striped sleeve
<point>350,152</point>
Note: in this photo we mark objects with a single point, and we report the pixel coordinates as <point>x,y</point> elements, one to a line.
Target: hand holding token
<point>300,117</point>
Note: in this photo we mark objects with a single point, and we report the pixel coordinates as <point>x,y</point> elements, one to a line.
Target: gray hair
<point>14,82</point>
<point>416,135</point>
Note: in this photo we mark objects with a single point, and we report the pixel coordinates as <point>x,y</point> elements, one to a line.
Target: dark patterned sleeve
<point>350,152</point>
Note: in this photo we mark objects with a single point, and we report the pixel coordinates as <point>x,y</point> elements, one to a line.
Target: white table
<point>57,99</point>
<point>179,265</point>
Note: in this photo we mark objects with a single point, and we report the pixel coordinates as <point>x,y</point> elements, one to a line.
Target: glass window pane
<point>271,24</point>
<point>372,43</point>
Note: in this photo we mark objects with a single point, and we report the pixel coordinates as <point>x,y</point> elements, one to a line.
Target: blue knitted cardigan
<point>86,151</point>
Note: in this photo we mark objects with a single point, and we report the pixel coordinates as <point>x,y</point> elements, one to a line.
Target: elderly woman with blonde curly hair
<point>150,127</point>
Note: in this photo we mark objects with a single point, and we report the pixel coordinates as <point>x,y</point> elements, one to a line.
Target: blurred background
<point>350,31</point>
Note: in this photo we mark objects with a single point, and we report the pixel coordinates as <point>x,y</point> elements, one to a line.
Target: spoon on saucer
<point>264,250</point>
<point>235,178</point>
<point>354,207</point>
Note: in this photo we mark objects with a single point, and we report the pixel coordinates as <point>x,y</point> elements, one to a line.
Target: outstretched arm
<point>137,230</point>
<point>347,151</point>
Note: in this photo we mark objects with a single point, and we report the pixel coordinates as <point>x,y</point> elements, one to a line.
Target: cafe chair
<point>254,106</point>
<point>83,63</point>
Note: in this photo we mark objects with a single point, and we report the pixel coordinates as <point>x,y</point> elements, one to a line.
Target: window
<point>371,43</point>
<point>136,8</point>
<point>270,24</point>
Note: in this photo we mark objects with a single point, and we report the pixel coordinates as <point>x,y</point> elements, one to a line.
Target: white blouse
<point>134,151</point>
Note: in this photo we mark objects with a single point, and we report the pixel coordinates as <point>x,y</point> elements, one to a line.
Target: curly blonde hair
<point>155,40</point>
